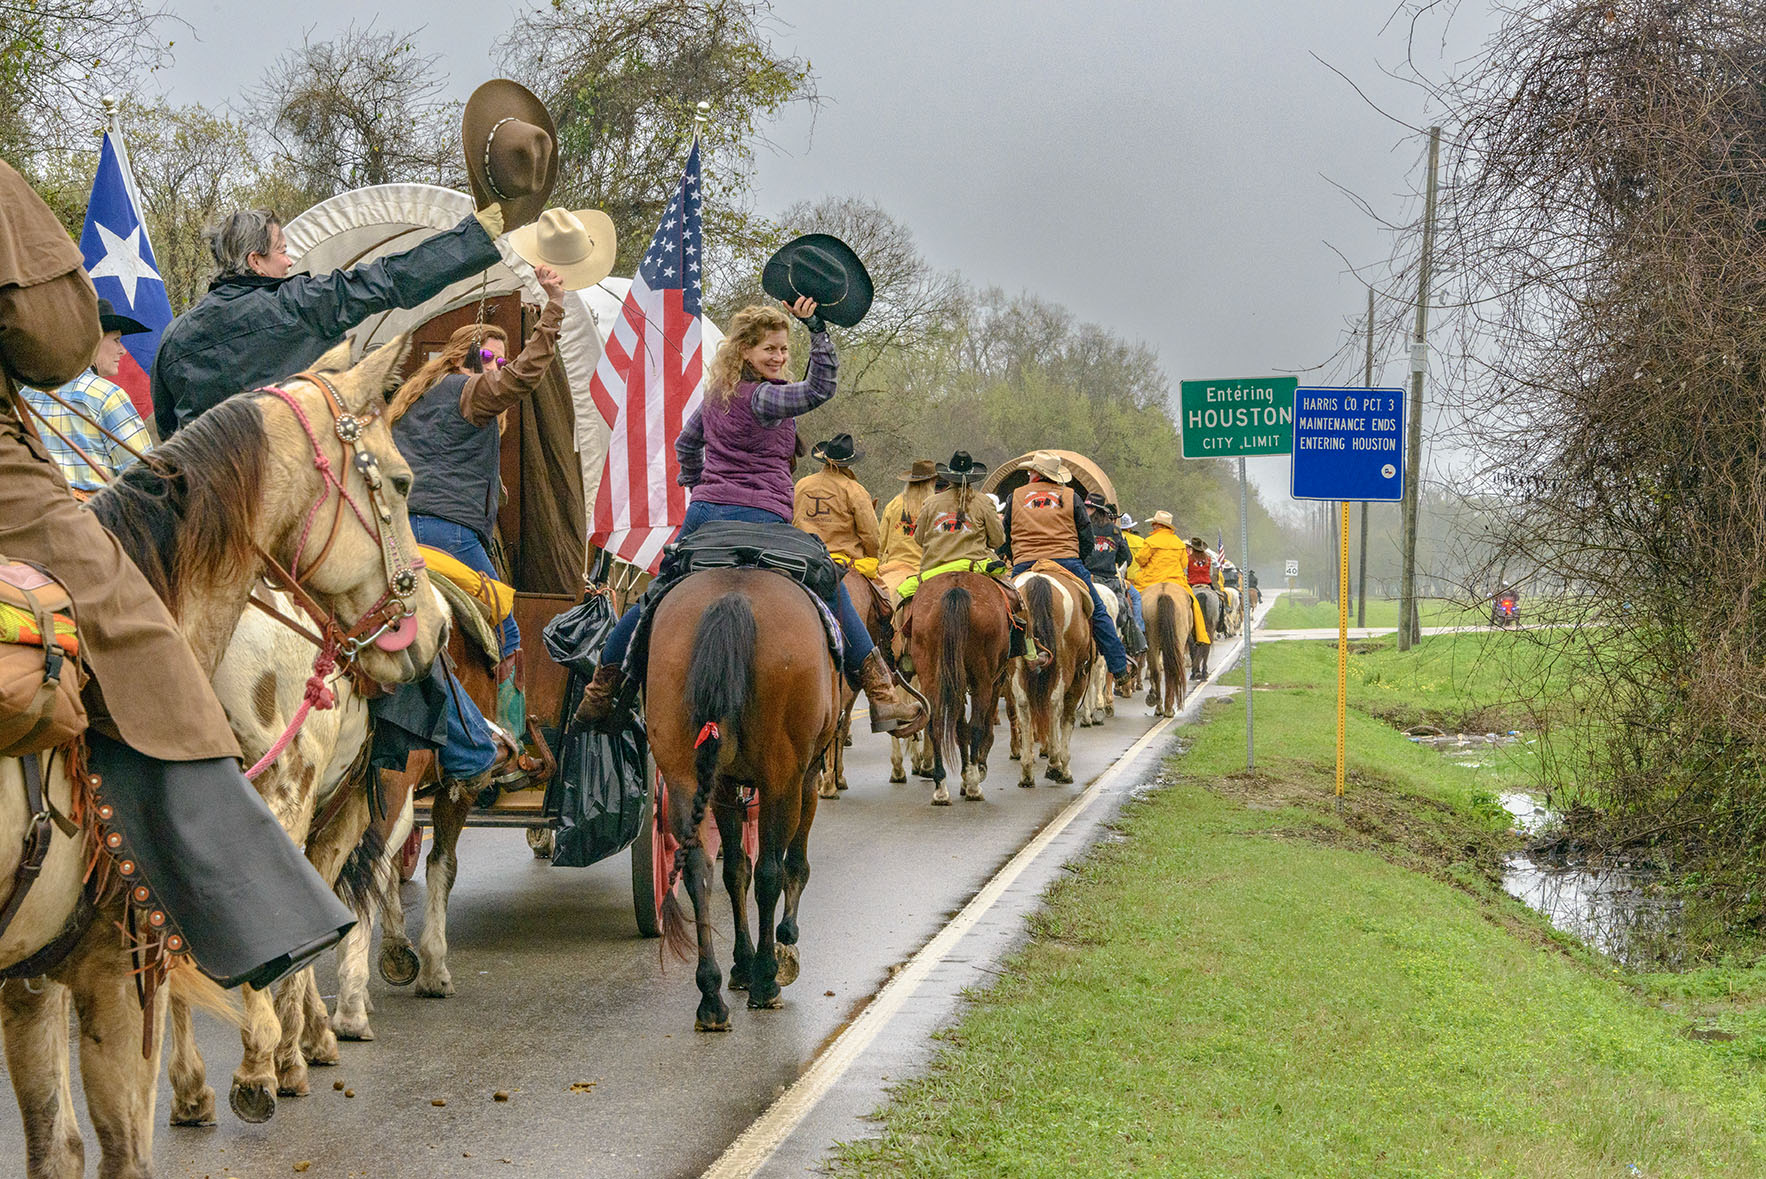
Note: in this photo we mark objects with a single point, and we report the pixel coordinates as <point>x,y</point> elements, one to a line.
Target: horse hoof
<point>293,1085</point>
<point>788,966</point>
<point>840,785</point>
<point>847,742</point>
<point>771,1003</point>
<point>435,989</point>
<point>738,984</point>
<point>940,796</point>
<point>351,1029</point>
<point>897,777</point>
<point>971,794</point>
<point>706,1025</point>
<point>1061,776</point>
<point>252,1103</point>
<point>827,792</point>
<point>1027,783</point>
<point>199,1111</point>
<point>398,965</point>
<point>322,1053</point>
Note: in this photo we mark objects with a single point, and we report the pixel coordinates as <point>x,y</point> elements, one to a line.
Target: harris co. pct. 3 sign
<point>1237,417</point>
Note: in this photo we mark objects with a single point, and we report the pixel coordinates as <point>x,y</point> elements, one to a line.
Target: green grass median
<point>1249,983</point>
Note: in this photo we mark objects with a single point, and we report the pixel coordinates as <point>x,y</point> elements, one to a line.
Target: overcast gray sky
<point>1160,167</point>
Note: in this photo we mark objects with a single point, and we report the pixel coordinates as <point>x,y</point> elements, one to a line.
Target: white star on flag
<point>123,261</point>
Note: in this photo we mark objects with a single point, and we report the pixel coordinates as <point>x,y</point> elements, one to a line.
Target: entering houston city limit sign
<point>1237,417</point>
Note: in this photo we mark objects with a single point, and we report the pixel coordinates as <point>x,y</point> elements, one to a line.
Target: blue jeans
<point>1134,604</point>
<point>1102,629</point>
<point>857,640</point>
<point>463,543</point>
<point>471,750</point>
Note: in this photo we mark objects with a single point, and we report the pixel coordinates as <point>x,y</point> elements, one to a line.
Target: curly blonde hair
<point>748,327</point>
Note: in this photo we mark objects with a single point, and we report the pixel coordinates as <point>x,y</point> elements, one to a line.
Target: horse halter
<point>395,604</point>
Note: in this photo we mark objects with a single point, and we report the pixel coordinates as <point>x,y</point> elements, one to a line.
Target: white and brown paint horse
<point>1100,694</point>
<point>1045,702</point>
<point>245,479</point>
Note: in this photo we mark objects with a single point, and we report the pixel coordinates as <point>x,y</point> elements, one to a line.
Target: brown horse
<point>742,698</point>
<point>876,613</point>
<point>959,631</point>
<point>1171,621</point>
<point>1045,702</point>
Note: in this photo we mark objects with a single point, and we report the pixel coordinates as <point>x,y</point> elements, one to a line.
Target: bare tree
<point>58,60</point>
<point>362,108</point>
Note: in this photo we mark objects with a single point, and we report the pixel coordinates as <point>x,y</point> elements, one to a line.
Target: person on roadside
<point>735,452</point>
<point>89,424</point>
<point>1046,520</point>
<point>445,421</point>
<point>160,740</point>
<point>900,555</point>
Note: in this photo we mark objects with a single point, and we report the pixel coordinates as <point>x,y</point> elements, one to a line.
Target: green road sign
<point>1237,417</point>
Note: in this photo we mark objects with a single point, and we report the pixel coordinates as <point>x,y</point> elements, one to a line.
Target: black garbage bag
<point>597,795</point>
<point>575,638</point>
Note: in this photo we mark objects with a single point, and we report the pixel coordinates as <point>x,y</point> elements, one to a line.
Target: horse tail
<point>1173,666</point>
<point>365,872</point>
<point>720,681</point>
<point>1039,599</point>
<point>952,651</point>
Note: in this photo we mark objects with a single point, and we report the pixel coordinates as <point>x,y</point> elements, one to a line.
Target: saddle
<point>1068,579</point>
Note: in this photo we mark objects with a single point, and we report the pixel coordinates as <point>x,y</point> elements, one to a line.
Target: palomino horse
<point>742,697</point>
<point>1100,693</point>
<point>1045,702</point>
<point>959,632</point>
<point>242,478</point>
<point>1171,619</point>
<point>876,614</point>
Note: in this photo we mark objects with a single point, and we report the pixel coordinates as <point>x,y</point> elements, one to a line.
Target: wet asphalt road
<point>563,1005</point>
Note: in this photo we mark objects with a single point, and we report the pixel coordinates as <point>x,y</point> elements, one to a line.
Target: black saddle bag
<point>735,544</point>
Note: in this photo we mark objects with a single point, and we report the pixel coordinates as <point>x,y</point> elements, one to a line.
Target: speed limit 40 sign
<point>1291,569</point>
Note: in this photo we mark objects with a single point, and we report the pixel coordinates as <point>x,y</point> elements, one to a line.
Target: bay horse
<point>1171,621</point>
<point>959,632</point>
<point>742,699</point>
<point>234,484</point>
<point>877,614</point>
<point>1045,702</point>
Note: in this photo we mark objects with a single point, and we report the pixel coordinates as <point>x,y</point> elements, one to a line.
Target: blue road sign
<point>1348,444</point>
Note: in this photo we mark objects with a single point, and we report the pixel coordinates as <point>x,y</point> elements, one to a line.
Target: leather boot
<point>599,696</point>
<point>1023,635</point>
<point>894,710</point>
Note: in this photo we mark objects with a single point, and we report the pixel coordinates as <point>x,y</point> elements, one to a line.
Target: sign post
<point>1348,445</point>
<point>1232,418</point>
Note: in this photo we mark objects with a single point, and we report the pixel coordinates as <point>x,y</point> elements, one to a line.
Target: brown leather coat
<point>833,505</point>
<point>157,697</point>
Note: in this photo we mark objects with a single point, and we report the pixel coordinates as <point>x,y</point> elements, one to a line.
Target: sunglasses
<point>489,357</point>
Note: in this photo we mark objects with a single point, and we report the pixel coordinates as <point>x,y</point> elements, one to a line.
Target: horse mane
<point>183,513</point>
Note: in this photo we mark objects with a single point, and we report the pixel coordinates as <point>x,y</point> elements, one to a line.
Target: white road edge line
<point>756,1145</point>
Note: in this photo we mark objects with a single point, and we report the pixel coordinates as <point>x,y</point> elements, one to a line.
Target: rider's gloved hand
<point>491,218</point>
<point>805,310</point>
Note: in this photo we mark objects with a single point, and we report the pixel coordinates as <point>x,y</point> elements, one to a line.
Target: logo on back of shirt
<point>1103,544</point>
<point>820,504</point>
<point>948,522</point>
<point>1043,500</point>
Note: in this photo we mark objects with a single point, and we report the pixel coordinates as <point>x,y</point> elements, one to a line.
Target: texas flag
<point>120,260</point>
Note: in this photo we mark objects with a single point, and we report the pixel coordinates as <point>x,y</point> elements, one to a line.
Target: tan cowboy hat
<point>1162,518</point>
<point>579,245</point>
<point>1050,466</point>
<point>922,470</point>
<point>511,150</point>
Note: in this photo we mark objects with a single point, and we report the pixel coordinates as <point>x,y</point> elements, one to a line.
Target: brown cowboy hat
<point>511,150</point>
<point>922,470</point>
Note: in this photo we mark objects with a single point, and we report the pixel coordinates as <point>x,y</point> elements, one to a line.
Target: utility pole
<point>1367,382</point>
<point>1409,628</point>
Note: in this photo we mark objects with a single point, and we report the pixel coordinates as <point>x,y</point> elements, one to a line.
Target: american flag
<point>1220,543</point>
<point>649,381</point>
<point>119,259</point>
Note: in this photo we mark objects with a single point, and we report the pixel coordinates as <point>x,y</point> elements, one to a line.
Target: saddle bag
<point>729,544</point>
<point>40,674</point>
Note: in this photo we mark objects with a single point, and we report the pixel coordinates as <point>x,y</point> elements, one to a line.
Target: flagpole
<point>112,104</point>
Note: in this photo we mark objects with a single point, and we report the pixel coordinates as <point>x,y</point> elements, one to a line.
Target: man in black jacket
<point>259,324</point>
<point>1108,555</point>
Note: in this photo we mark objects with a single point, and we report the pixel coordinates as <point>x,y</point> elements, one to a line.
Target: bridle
<point>337,646</point>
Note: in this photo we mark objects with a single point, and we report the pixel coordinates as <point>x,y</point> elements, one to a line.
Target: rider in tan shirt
<point>835,506</point>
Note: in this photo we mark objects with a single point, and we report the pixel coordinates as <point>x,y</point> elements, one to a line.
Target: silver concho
<point>368,466</point>
<point>348,428</point>
<point>404,583</point>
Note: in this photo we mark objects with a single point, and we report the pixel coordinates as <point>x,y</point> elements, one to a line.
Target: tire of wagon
<point>643,865</point>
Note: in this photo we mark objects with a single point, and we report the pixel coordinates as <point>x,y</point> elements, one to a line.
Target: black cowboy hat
<point>824,268</point>
<point>110,321</point>
<point>838,449</point>
<point>1095,499</point>
<point>962,469</point>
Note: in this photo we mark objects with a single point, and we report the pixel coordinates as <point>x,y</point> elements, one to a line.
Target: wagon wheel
<point>643,862</point>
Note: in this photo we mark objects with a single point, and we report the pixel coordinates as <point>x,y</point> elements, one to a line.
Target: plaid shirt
<point>102,402</point>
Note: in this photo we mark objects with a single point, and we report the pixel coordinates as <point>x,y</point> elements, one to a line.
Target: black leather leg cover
<point>219,867</point>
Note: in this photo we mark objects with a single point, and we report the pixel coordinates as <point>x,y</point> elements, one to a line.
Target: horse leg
<point>833,775</point>
<point>737,873</point>
<point>769,883</point>
<point>193,1101</point>
<point>713,1014</point>
<point>35,1025</point>
<point>897,773</point>
<point>291,1014</point>
<point>398,961</point>
<point>448,814</point>
<point>120,1082</point>
<point>935,734</point>
<point>253,1096</point>
<point>1023,730</point>
<point>318,1043</point>
<point>968,742</point>
<point>796,878</point>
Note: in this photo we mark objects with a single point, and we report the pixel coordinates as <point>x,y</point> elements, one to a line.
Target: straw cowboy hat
<point>579,245</point>
<point>922,470</point>
<point>1162,517</point>
<point>1050,466</point>
<point>511,150</point>
<point>962,469</point>
<point>825,269</point>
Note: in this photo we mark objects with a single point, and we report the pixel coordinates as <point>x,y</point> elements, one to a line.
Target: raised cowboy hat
<point>511,150</point>
<point>824,268</point>
<point>838,449</point>
<point>579,245</point>
<point>1050,466</point>
<point>922,470</point>
<point>110,321</point>
<point>1164,518</point>
<point>962,469</point>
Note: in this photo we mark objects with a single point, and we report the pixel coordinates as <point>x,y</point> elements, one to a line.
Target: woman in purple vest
<point>735,453</point>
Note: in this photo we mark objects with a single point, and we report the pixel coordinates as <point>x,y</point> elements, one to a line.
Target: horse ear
<point>378,373</point>
<point>334,361</point>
